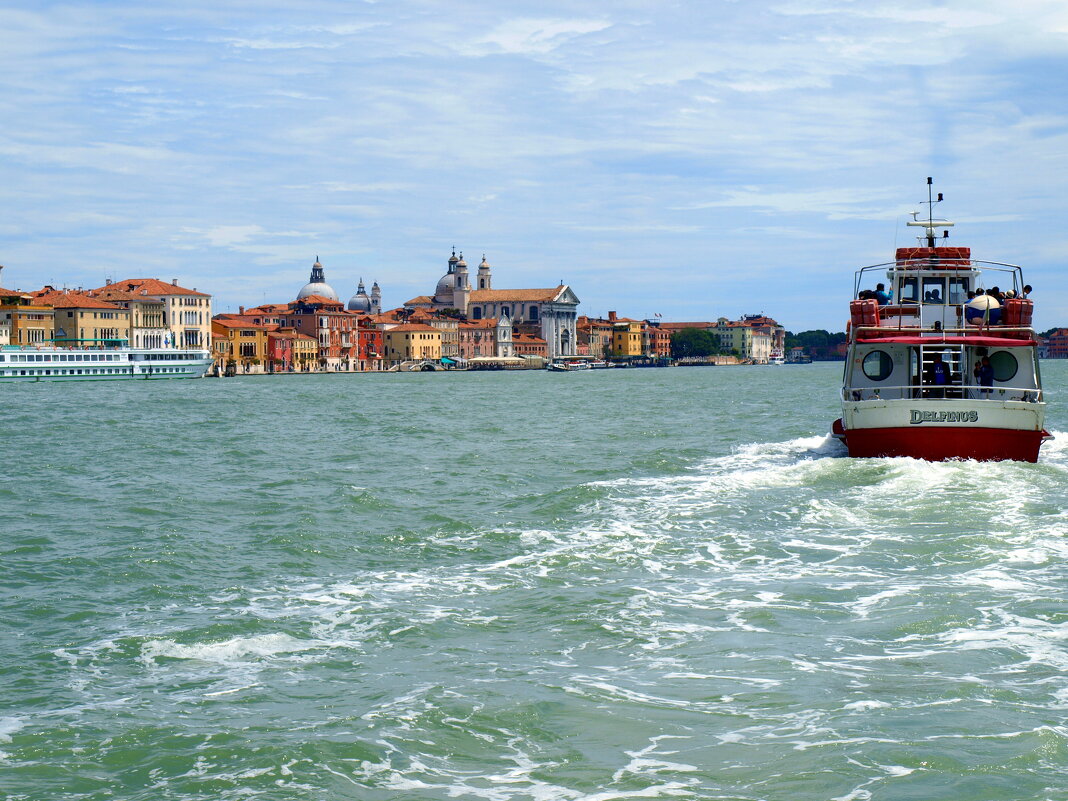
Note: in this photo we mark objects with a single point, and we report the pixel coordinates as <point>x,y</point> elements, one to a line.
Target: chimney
<point>107,282</point>
<point>174,282</point>
<point>240,309</point>
<point>611,316</point>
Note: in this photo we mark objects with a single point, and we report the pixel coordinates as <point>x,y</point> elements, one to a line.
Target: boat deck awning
<point>983,342</point>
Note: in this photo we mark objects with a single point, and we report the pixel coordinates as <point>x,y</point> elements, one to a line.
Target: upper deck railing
<point>948,267</point>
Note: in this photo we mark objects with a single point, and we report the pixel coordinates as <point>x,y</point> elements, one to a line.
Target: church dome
<point>444,288</point>
<point>317,284</point>
<point>360,302</point>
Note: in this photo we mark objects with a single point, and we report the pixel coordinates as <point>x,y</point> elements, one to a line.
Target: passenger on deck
<point>937,375</point>
<point>881,295</point>
<point>1026,292</point>
<point>936,296</point>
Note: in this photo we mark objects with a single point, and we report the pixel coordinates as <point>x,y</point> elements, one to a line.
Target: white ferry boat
<point>573,364</point>
<point>776,357</point>
<point>943,364</point>
<point>53,363</point>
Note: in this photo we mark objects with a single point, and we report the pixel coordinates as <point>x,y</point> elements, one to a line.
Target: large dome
<point>317,284</point>
<point>318,288</point>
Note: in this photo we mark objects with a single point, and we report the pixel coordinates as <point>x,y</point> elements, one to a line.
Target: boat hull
<point>942,443</point>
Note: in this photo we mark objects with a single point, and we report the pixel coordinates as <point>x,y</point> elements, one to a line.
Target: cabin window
<point>958,290</point>
<point>934,290</point>
<point>878,365</point>
<point>1005,365</point>
<point>908,291</point>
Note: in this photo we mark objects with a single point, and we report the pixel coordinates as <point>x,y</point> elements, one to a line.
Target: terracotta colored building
<point>1057,344</point>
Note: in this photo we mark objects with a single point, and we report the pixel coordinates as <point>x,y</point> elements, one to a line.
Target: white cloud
<point>534,36</point>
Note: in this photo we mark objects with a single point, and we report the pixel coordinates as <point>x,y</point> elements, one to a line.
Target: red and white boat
<point>921,379</point>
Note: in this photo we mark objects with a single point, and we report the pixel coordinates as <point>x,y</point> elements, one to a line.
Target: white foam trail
<point>8,726</point>
<point>234,651</point>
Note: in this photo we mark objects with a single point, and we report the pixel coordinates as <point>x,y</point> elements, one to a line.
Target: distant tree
<point>819,344</point>
<point>689,342</point>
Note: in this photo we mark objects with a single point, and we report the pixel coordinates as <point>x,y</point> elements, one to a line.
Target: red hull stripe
<point>985,341</point>
<point>937,444</point>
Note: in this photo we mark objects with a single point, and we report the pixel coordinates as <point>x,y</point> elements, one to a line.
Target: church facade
<point>549,313</point>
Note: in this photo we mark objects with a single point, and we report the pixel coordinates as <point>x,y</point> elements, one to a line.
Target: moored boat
<point>54,363</point>
<point>944,363</point>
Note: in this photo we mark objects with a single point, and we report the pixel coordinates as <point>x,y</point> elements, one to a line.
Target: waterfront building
<point>487,337</point>
<point>657,339</point>
<point>1057,344</point>
<point>147,329</point>
<point>186,312</point>
<point>628,337</point>
<point>549,314</point>
<point>239,346</point>
<point>411,342</point>
<point>530,345</point>
<point>28,321</point>
<point>81,320</point>
<point>594,337</point>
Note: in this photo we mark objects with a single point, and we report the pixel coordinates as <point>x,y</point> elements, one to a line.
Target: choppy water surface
<point>610,585</point>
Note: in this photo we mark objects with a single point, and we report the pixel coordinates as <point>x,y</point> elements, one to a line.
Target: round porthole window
<point>1004,364</point>
<point>878,365</point>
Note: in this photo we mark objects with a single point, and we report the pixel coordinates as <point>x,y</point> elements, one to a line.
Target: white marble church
<point>548,313</point>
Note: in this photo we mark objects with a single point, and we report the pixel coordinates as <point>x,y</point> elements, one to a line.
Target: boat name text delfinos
<point>922,416</point>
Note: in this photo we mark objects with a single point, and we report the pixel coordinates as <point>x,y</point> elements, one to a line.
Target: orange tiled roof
<point>320,300</point>
<point>71,300</point>
<point>488,322</point>
<point>153,286</point>
<point>237,324</point>
<point>520,295</point>
<point>10,293</point>
<point>533,340</point>
<point>412,327</point>
<point>681,326</point>
<point>112,294</point>
<point>420,300</point>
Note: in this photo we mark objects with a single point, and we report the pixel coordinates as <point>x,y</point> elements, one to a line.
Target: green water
<point>605,585</point>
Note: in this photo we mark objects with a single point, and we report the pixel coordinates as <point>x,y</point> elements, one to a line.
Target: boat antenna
<point>929,223</point>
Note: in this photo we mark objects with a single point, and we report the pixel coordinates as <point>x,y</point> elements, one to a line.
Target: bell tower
<point>485,275</point>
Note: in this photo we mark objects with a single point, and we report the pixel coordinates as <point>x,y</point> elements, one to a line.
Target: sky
<point>685,159</point>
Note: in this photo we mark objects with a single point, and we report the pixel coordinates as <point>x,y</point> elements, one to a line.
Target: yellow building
<point>628,338</point>
<point>239,346</point>
<point>84,321</point>
<point>24,320</point>
<point>305,352</point>
<point>411,342</point>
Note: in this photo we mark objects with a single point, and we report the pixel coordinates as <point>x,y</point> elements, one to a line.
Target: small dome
<point>360,302</point>
<point>444,288</point>
<point>484,265</point>
<point>461,262</point>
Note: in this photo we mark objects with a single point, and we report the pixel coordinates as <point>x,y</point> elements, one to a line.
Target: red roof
<point>71,300</point>
<point>154,287</point>
<point>411,327</point>
<point>985,342</point>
